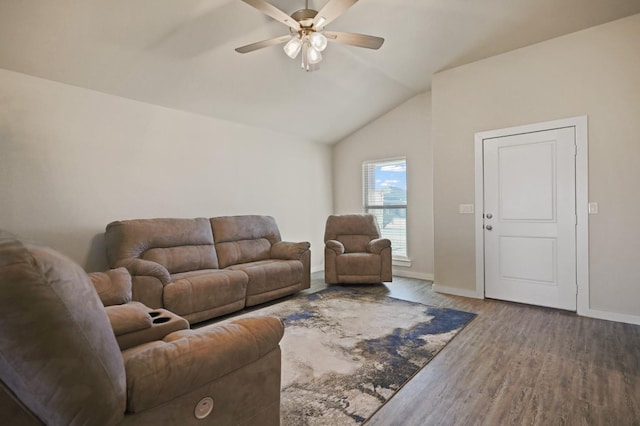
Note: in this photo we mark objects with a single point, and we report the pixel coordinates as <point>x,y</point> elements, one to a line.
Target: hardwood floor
<point>517,365</point>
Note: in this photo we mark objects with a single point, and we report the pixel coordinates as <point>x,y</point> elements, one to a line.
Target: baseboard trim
<point>416,275</point>
<point>610,316</point>
<point>319,268</point>
<point>404,274</point>
<point>456,291</point>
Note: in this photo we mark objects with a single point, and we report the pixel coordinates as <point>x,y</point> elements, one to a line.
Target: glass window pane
<point>391,180</point>
<point>385,184</point>
<point>393,225</point>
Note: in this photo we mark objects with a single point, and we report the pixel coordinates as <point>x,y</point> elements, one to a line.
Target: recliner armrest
<point>146,267</point>
<point>289,251</point>
<point>376,246</point>
<point>127,318</point>
<point>160,371</point>
<point>113,286</point>
<point>335,245</point>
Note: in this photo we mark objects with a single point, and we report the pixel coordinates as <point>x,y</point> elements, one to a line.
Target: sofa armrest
<point>146,267</point>
<point>377,245</point>
<point>289,251</point>
<point>160,371</point>
<point>113,286</point>
<point>335,245</point>
<point>127,318</point>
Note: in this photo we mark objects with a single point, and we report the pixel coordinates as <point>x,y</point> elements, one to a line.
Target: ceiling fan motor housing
<point>305,17</point>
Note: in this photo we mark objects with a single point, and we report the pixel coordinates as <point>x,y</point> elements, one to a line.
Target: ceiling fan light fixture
<point>293,46</point>
<point>306,31</point>
<point>313,55</point>
<point>304,64</point>
<point>318,41</point>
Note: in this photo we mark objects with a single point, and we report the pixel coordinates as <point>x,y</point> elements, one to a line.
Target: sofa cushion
<point>197,291</point>
<point>113,286</point>
<point>243,239</point>
<point>177,244</point>
<point>184,258</point>
<point>59,354</point>
<point>232,253</point>
<point>267,275</point>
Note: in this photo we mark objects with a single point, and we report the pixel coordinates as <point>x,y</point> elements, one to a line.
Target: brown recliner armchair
<point>354,252</point>
<point>60,363</point>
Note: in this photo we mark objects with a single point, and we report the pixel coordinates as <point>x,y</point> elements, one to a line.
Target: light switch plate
<point>593,208</point>
<point>466,208</point>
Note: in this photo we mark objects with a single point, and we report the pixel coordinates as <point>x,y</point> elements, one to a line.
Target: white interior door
<point>530,218</point>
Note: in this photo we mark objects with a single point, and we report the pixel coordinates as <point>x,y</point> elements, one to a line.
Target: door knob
<point>489,215</point>
<point>489,227</point>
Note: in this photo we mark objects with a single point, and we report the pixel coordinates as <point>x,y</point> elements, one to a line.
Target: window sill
<point>405,262</point>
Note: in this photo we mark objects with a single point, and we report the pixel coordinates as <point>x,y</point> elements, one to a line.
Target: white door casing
<point>530,218</point>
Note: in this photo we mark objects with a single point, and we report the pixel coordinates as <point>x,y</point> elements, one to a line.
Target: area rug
<point>346,352</point>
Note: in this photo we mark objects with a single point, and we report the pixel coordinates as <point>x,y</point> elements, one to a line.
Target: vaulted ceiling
<point>180,53</point>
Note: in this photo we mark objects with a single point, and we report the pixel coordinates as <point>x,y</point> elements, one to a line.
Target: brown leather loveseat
<point>204,268</point>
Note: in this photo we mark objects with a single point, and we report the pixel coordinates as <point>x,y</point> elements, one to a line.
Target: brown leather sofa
<point>354,252</point>
<point>60,363</point>
<point>203,268</point>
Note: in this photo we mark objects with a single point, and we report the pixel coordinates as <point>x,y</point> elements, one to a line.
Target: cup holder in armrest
<point>160,322</point>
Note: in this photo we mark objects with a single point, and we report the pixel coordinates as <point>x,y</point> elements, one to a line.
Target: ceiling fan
<point>307,34</point>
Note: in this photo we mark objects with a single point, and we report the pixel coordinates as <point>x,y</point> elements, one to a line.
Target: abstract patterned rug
<point>346,352</point>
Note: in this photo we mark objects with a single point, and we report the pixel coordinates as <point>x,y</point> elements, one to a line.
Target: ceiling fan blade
<point>262,44</point>
<point>353,39</point>
<point>331,11</point>
<point>272,11</point>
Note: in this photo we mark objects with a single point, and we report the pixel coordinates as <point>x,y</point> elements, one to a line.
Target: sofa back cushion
<point>59,355</point>
<point>180,245</point>
<point>354,231</point>
<point>243,239</point>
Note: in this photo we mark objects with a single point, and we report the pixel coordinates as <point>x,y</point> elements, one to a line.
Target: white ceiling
<point>180,53</point>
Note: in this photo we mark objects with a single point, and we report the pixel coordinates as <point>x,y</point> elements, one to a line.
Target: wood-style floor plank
<point>517,365</point>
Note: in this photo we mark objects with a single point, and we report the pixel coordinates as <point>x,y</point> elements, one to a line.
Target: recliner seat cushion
<point>358,264</point>
<point>59,354</point>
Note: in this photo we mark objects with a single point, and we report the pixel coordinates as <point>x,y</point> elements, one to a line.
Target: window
<point>384,189</point>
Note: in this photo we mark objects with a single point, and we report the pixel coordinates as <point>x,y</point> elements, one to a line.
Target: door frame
<point>580,124</point>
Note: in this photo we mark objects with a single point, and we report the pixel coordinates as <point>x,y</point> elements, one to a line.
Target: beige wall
<point>73,160</point>
<point>404,131</point>
<point>594,72</point>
